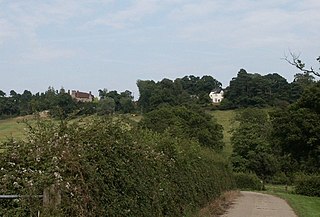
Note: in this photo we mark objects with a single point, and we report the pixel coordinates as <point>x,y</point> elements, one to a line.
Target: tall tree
<point>251,144</point>
<point>296,130</point>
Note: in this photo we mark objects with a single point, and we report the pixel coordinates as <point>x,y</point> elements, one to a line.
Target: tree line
<point>244,90</point>
<point>60,104</point>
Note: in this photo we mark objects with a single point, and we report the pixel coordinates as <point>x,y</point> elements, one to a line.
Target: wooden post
<point>52,196</point>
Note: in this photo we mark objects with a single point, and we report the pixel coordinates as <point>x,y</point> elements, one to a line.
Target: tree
<point>64,105</point>
<point>126,102</point>
<point>251,144</point>
<point>103,93</point>
<point>298,63</point>
<point>185,123</point>
<point>296,130</point>
<point>106,106</point>
<point>181,91</point>
<point>296,134</point>
<point>123,102</point>
<point>255,90</point>
<point>2,94</point>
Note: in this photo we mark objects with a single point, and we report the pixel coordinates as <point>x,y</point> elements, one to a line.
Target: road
<point>252,204</point>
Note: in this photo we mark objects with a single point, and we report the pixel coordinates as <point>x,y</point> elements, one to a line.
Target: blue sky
<point>90,44</point>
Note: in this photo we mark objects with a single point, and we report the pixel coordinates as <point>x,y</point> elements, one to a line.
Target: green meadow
<point>11,128</point>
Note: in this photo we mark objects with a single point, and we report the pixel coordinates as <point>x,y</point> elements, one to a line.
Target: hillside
<point>225,118</point>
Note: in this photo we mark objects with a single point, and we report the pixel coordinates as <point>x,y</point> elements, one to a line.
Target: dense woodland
<point>171,162</point>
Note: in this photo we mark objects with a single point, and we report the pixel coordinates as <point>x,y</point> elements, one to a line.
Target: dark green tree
<point>182,91</point>
<point>255,90</point>
<point>296,130</point>
<point>185,123</point>
<point>252,151</point>
<point>106,106</point>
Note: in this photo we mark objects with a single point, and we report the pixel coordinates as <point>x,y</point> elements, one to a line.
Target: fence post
<point>52,196</point>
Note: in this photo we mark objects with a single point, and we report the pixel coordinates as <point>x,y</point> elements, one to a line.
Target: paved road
<point>252,204</point>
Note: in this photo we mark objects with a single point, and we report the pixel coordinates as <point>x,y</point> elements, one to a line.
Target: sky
<point>89,45</point>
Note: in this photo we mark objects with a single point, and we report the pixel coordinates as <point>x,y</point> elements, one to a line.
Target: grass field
<point>225,118</point>
<point>11,128</point>
<point>304,206</point>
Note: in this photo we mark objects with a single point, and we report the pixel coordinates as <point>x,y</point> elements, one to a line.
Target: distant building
<point>81,96</point>
<point>216,96</point>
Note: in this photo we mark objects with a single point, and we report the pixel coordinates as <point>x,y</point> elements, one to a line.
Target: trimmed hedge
<point>104,167</point>
<point>308,185</point>
<point>248,181</point>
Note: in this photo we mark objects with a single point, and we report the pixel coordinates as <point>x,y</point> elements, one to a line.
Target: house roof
<point>217,90</point>
<point>82,95</point>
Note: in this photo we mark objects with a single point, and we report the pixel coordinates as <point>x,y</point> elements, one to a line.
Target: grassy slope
<point>225,119</point>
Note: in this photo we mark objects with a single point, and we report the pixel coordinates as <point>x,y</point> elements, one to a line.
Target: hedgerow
<point>248,181</point>
<point>307,185</point>
<point>107,167</point>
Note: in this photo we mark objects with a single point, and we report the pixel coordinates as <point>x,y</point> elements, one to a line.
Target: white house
<point>216,96</point>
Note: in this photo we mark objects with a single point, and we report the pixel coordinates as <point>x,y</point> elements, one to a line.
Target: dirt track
<point>252,204</point>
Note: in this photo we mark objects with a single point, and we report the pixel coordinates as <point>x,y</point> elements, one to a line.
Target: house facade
<point>216,96</point>
<point>81,96</point>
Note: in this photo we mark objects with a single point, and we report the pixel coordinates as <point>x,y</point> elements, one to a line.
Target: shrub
<point>185,122</point>
<point>107,167</point>
<point>248,181</point>
<point>308,185</point>
<point>280,178</point>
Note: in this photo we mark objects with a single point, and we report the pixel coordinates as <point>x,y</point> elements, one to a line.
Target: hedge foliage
<point>248,181</point>
<point>308,185</point>
<point>107,167</point>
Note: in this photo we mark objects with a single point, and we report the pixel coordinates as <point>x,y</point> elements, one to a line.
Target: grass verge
<point>303,206</point>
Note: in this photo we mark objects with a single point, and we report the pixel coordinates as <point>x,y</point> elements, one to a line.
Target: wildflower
<point>15,184</point>
<point>68,185</point>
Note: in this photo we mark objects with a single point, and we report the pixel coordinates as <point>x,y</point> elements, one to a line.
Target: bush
<point>107,167</point>
<point>308,185</point>
<point>185,122</point>
<point>280,178</point>
<point>248,181</point>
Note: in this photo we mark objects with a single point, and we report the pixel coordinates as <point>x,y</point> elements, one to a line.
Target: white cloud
<point>252,24</point>
<point>6,30</point>
<point>40,54</point>
<point>122,18</point>
<point>190,11</point>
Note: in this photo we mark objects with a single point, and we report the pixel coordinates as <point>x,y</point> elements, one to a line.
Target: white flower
<point>12,163</point>
<point>15,184</point>
<point>68,185</point>
<point>57,175</point>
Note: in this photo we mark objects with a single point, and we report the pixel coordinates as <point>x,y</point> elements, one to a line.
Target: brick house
<point>81,96</point>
